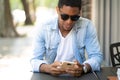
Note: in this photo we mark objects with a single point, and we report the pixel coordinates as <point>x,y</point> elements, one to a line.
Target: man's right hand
<point>52,68</point>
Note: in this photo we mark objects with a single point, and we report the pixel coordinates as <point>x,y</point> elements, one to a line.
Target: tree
<point>7,28</point>
<point>27,12</point>
<point>32,7</point>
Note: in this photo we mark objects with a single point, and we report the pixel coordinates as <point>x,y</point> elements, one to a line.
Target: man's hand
<point>76,71</point>
<point>52,68</point>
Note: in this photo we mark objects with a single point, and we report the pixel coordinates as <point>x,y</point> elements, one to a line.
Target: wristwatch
<point>85,70</point>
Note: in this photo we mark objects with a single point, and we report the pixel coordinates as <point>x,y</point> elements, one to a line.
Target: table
<point>102,75</point>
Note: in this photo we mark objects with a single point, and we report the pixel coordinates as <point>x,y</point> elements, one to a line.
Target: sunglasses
<point>66,17</point>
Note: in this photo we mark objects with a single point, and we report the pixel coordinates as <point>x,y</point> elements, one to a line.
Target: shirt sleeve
<point>92,46</point>
<point>39,50</point>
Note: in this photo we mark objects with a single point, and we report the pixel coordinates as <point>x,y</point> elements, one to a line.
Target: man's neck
<point>64,32</point>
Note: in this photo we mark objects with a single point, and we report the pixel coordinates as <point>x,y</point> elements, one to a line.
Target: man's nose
<point>69,21</point>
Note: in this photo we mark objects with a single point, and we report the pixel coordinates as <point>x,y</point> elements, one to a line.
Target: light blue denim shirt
<point>47,39</point>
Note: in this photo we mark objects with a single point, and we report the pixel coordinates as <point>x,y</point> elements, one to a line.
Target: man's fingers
<point>56,64</point>
<point>74,73</point>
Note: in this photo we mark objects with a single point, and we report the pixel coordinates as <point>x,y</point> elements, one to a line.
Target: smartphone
<point>67,64</point>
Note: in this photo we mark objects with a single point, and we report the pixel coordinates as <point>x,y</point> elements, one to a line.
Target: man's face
<point>67,17</point>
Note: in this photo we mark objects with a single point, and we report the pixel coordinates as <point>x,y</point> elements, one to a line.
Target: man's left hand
<point>77,70</point>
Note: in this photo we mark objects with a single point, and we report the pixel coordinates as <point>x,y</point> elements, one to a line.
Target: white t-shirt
<point>65,50</point>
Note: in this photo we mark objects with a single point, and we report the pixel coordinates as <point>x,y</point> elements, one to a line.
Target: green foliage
<point>16,4</point>
<point>37,3</point>
<point>48,3</point>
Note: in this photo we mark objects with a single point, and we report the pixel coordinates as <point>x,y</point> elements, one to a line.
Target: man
<point>66,38</point>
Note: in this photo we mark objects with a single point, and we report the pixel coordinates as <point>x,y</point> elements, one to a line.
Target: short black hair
<point>72,3</point>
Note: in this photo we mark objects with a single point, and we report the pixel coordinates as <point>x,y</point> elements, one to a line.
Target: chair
<point>115,54</point>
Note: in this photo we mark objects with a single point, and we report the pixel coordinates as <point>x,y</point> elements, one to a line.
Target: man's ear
<point>57,9</point>
<point>80,12</point>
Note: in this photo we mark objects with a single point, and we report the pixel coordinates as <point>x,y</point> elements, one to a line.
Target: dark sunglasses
<point>66,17</point>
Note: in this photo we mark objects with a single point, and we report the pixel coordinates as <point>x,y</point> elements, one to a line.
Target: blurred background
<point>19,17</point>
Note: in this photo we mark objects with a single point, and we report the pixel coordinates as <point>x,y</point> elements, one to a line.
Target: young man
<point>66,38</point>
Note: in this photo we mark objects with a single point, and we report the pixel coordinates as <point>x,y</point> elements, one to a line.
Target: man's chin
<point>67,30</point>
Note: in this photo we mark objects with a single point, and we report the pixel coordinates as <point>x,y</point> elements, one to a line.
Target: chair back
<point>115,54</point>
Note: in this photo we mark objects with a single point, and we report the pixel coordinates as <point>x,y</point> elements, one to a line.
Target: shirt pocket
<point>51,50</point>
<point>52,42</point>
<point>51,53</point>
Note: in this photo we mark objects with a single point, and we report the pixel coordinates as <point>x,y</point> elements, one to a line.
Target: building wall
<point>87,9</point>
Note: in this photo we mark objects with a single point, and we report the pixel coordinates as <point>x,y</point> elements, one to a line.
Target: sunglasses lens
<point>75,18</point>
<point>64,16</point>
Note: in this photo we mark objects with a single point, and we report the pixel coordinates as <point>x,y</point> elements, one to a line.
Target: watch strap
<point>85,70</point>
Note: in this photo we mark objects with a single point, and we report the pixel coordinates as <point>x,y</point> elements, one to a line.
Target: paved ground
<point>15,54</point>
